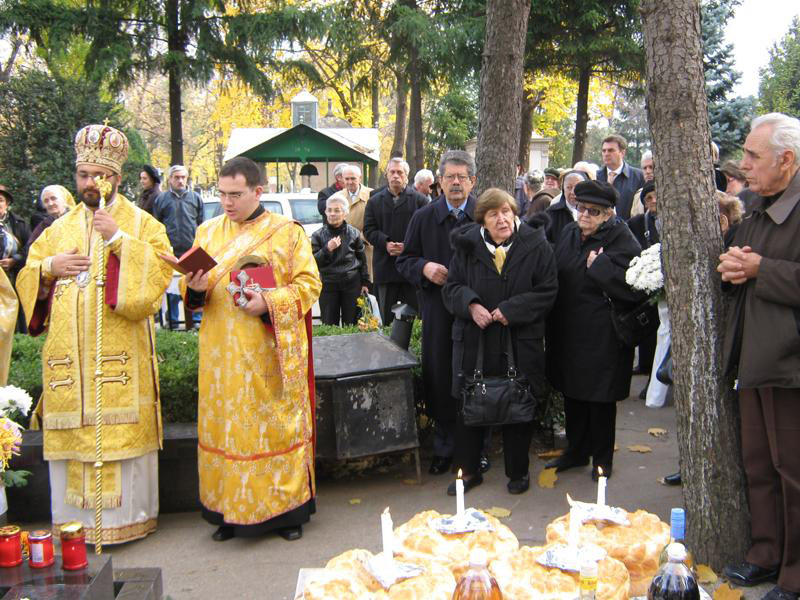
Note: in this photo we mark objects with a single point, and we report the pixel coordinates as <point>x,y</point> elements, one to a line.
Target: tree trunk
<point>707,413</point>
<point>501,93</point>
<point>582,118</point>
<point>414,155</point>
<point>400,115</point>
<point>416,123</point>
<point>375,90</point>
<point>174,45</point>
<point>525,130</point>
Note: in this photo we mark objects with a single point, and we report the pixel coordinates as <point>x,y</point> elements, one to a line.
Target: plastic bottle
<point>588,579</point>
<point>674,581</point>
<point>477,583</point>
<point>677,523</point>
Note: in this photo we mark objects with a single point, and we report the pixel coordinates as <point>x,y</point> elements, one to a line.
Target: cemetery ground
<point>348,509</point>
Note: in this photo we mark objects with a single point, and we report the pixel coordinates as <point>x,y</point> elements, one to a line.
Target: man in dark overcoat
<point>762,345</point>
<point>386,220</point>
<point>424,262</point>
<point>617,172</point>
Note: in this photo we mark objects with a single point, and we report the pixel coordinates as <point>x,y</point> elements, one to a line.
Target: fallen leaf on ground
<point>726,592</point>
<point>657,431</point>
<point>498,511</point>
<point>616,447</point>
<point>640,448</point>
<point>547,478</point>
<point>550,453</point>
<point>410,482</point>
<point>355,500</point>
<point>705,574</point>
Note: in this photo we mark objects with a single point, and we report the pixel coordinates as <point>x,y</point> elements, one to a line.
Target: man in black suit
<point>424,262</point>
<point>625,178</point>
<point>386,219</point>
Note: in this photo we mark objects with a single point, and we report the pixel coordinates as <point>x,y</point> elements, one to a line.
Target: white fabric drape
<point>657,391</point>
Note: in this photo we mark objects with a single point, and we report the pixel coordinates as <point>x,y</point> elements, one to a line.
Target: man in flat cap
<point>58,290</point>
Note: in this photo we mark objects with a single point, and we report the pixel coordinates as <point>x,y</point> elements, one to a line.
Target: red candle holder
<point>10,546</point>
<point>41,549</point>
<point>73,546</point>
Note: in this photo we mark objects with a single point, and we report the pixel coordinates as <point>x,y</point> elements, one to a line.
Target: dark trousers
<point>591,430</point>
<point>338,299</point>
<point>390,294</point>
<point>647,352</point>
<point>470,443</point>
<point>770,450</point>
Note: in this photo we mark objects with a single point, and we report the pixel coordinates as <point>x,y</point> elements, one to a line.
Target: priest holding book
<point>256,383</point>
<point>105,245</point>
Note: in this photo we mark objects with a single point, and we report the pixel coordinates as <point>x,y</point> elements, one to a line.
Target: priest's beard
<point>91,197</point>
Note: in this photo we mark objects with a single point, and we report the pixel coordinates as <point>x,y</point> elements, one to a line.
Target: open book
<point>190,261</point>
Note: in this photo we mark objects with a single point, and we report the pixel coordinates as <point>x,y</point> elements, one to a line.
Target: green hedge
<point>177,367</point>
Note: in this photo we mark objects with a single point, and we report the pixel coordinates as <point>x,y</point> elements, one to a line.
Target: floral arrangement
<point>368,321</point>
<point>644,273</point>
<point>15,404</point>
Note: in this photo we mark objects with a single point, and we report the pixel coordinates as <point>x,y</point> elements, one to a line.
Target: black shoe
<point>470,483</point>
<point>440,465</point>
<point>484,464</point>
<point>643,393</point>
<point>564,462</point>
<point>291,534</point>
<point>778,593</point>
<point>748,574</point>
<point>519,486</point>
<point>674,479</point>
<point>223,533</point>
<point>607,470</point>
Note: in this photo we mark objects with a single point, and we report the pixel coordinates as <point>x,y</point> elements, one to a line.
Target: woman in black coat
<point>339,252</point>
<point>502,281</point>
<point>585,360</point>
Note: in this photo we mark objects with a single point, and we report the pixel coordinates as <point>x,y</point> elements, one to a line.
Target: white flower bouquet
<point>15,404</point>
<point>644,273</point>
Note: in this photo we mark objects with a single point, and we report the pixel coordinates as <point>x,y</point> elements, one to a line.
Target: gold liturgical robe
<point>8,320</point>
<point>131,410</point>
<point>255,423</point>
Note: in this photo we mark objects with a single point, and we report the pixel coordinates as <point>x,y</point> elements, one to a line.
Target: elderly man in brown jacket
<point>357,196</point>
<point>762,269</point>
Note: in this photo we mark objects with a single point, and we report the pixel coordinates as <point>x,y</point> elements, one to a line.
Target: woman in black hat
<point>150,180</point>
<point>584,359</point>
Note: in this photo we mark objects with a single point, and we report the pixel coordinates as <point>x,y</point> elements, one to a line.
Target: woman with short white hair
<point>339,252</point>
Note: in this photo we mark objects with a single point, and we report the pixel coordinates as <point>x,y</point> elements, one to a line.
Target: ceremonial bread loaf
<point>416,538</point>
<point>637,545</point>
<point>521,577</point>
<point>347,578</point>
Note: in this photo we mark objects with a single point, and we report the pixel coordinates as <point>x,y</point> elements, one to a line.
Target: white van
<point>300,206</point>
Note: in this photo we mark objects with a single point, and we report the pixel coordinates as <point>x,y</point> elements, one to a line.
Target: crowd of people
<point>524,284</point>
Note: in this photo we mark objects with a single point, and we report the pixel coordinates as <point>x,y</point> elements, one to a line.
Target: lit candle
<point>601,487</point>
<point>574,528</point>
<point>387,533</point>
<point>459,495</point>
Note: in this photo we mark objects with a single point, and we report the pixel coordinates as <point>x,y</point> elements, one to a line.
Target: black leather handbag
<point>635,325</point>
<point>664,371</point>
<point>496,400</point>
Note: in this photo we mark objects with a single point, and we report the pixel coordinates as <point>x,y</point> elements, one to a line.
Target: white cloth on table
<point>657,391</point>
<point>134,519</point>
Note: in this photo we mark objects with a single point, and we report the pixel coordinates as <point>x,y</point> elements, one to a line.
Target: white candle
<point>573,536</point>
<point>459,495</point>
<point>387,533</point>
<point>601,488</point>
